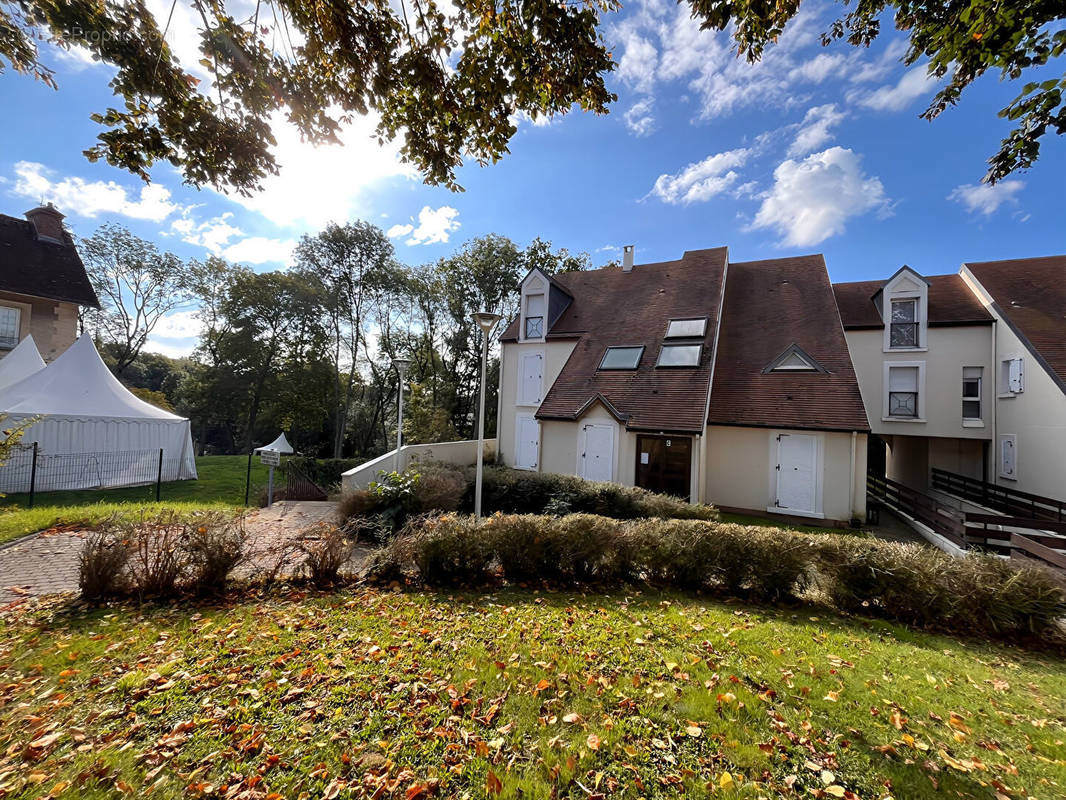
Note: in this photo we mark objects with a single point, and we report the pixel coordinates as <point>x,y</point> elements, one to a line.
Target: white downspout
<point>851,478</point>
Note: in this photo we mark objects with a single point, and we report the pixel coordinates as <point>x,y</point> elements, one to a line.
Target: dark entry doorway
<point>664,464</point>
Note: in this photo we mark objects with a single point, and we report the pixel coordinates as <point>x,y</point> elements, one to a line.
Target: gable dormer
<point>904,305</point>
<point>543,301</point>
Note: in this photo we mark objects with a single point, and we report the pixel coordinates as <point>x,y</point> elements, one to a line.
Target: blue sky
<point>812,150</point>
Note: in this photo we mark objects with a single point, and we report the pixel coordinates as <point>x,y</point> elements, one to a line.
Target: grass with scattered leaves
<point>515,694</point>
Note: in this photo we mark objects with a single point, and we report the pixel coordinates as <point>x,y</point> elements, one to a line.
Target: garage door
<point>797,457</point>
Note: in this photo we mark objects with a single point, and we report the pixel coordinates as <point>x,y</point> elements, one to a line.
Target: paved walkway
<point>895,529</point>
<point>47,562</point>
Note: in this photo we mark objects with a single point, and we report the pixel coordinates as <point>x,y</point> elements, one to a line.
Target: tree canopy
<point>448,79</point>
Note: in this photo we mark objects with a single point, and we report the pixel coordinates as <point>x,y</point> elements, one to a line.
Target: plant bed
<point>916,585</point>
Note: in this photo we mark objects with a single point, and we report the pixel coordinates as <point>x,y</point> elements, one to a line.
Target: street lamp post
<point>486,321</point>
<point>401,365</point>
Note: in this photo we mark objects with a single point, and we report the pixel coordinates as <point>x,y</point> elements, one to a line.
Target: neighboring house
<point>721,382</point>
<point>969,374</point>
<point>42,283</point>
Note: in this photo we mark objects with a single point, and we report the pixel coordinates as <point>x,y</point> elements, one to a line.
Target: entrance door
<point>664,464</point>
<point>527,442</point>
<point>797,458</point>
<point>597,455</point>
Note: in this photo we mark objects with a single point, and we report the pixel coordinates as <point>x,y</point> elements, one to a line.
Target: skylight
<point>622,357</point>
<point>793,362</point>
<point>686,328</point>
<point>679,355</point>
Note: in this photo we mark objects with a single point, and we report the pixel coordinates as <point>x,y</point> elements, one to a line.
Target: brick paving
<point>47,562</point>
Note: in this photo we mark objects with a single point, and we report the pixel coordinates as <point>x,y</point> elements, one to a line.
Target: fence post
<point>33,475</point>
<point>248,479</point>
<point>159,477</point>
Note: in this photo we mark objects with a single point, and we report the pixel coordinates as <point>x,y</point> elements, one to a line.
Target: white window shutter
<point>1015,378</point>
<point>1008,456</point>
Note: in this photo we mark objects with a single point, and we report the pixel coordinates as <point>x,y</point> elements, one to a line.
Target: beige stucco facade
<point>54,324</point>
<point>741,471</point>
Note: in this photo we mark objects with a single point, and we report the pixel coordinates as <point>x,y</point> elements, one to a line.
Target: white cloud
<point>214,234</point>
<point>701,180</point>
<point>914,83</point>
<point>434,225</point>
<point>639,118</point>
<point>179,325</point>
<point>77,196</point>
<point>176,348</point>
<point>260,250</point>
<point>816,129</point>
<point>812,199</point>
<point>817,69</point>
<point>985,198</point>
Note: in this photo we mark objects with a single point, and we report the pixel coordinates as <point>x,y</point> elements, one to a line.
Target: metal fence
<point>30,470</point>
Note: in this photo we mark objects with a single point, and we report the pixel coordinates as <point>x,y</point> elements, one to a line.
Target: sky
<point>813,150</point>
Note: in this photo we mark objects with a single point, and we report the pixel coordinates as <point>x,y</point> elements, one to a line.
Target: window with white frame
<point>10,319</point>
<point>971,392</point>
<point>904,323</point>
<point>1011,376</point>
<point>903,392</point>
<point>535,307</point>
<point>679,355</point>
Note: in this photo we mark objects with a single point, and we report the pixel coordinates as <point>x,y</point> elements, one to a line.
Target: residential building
<point>42,282</point>
<point>968,375</point>
<point>721,382</point>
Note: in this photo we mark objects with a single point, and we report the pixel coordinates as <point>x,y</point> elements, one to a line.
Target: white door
<point>527,442</point>
<point>530,379</point>
<point>597,455</point>
<point>797,459</point>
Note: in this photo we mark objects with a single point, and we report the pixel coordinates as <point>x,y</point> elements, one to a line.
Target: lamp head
<point>401,365</point>
<point>486,320</point>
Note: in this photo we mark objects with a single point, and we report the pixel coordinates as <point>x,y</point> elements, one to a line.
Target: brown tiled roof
<point>1030,294</point>
<point>950,303</point>
<point>612,307</point>
<point>770,305</point>
<point>39,268</point>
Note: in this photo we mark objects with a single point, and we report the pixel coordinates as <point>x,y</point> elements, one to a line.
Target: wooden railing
<point>940,518</point>
<point>299,486</point>
<point>1010,501</point>
<point>1042,543</point>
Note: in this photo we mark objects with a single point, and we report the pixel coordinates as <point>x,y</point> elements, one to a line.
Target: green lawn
<point>524,694</point>
<point>742,519</point>
<point>220,483</point>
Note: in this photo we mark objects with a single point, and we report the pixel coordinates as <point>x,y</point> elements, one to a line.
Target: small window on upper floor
<point>686,328</point>
<point>971,392</point>
<point>679,355</point>
<point>904,323</point>
<point>10,319</point>
<point>534,320</point>
<point>622,357</point>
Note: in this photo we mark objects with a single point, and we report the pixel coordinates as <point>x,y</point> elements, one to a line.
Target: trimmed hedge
<point>912,584</point>
<point>437,487</point>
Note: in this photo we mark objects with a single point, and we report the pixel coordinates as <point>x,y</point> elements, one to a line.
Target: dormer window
<point>794,359</point>
<point>622,357</point>
<point>686,328</point>
<point>904,323</point>
<point>679,355</point>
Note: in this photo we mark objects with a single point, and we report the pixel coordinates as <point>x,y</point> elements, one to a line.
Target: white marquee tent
<point>20,363</point>
<point>92,432</point>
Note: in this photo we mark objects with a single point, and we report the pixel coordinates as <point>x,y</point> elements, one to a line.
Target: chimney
<point>47,223</point>
<point>627,258</point>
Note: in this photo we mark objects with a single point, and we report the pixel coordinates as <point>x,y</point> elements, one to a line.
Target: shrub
<point>440,489</point>
<point>356,503</point>
<point>912,584</point>
<point>101,564</point>
<point>215,547</point>
<point>326,549</point>
<point>158,556</point>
